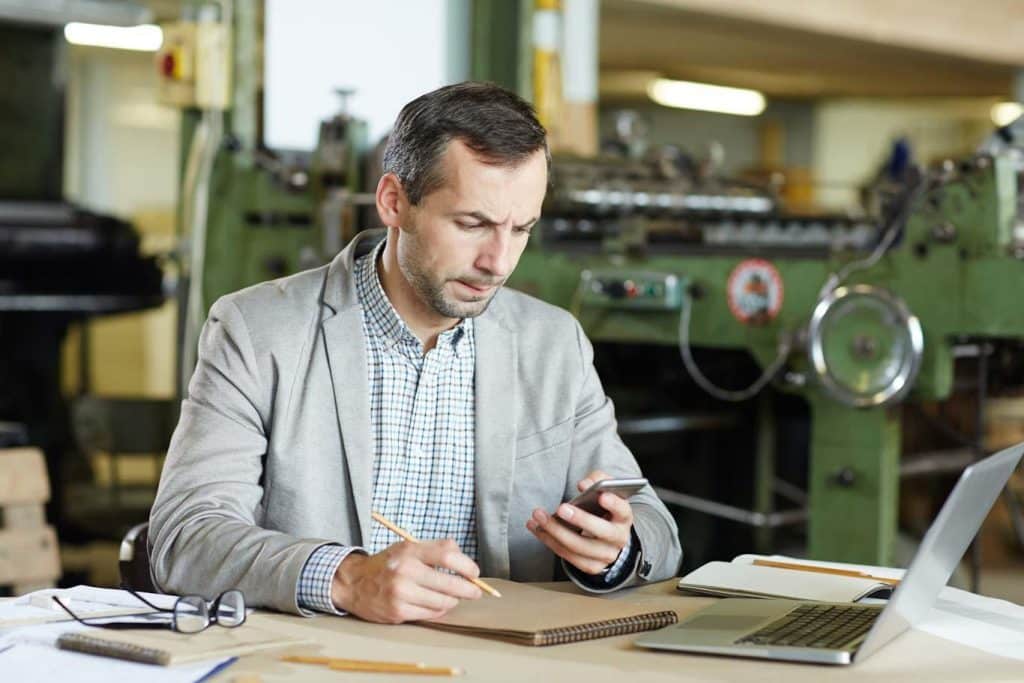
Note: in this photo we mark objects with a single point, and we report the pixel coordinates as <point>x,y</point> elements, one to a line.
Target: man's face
<point>465,238</point>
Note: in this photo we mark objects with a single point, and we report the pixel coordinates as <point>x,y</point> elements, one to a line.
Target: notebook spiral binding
<point>604,629</point>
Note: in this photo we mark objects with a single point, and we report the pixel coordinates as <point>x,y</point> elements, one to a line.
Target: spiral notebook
<point>530,615</point>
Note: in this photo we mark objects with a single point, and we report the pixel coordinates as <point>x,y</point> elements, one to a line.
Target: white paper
<point>30,663</point>
<point>38,607</point>
<point>47,634</point>
<point>90,595</point>
<point>11,613</point>
<point>733,578</point>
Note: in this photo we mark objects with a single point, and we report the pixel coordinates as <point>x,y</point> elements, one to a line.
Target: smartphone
<point>623,488</point>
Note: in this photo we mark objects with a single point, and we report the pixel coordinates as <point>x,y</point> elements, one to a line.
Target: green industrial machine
<point>246,213</point>
<point>855,316</point>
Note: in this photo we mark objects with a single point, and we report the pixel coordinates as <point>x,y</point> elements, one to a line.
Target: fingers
<point>568,544</point>
<point>445,554</point>
<point>613,529</point>
<point>424,559</point>
<point>402,583</point>
<point>400,598</point>
<point>585,563</point>
<point>409,587</point>
<point>604,546</point>
<point>452,585</point>
<point>591,479</point>
<point>620,509</point>
<point>589,524</point>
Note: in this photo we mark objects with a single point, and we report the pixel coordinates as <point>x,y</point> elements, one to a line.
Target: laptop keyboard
<point>819,626</point>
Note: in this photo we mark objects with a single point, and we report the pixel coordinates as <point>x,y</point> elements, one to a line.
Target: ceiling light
<point>705,97</point>
<point>145,37</point>
<point>1005,113</point>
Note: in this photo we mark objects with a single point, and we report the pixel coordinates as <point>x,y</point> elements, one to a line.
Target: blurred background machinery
<point>60,264</point>
<point>790,325</point>
<point>811,326</point>
<point>852,315</point>
<point>247,213</point>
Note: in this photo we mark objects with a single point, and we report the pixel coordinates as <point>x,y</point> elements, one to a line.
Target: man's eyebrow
<point>478,216</point>
<point>487,220</point>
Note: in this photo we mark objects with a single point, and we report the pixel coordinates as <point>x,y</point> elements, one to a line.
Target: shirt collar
<point>383,320</point>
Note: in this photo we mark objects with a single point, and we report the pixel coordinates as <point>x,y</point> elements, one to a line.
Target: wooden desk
<point>913,657</point>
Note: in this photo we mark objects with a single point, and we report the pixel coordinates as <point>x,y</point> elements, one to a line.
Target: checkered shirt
<point>422,418</point>
<point>422,421</point>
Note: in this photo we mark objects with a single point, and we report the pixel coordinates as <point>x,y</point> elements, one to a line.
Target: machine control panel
<point>194,65</point>
<point>631,289</point>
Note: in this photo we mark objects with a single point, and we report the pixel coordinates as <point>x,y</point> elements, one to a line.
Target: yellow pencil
<point>412,539</point>
<point>825,570</point>
<point>396,669</point>
<point>368,665</point>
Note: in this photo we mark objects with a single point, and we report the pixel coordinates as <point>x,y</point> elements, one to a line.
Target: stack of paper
<point>31,625</point>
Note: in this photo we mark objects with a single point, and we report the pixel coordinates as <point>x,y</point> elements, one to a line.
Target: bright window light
<point>145,37</point>
<point>1005,113</point>
<point>705,97</point>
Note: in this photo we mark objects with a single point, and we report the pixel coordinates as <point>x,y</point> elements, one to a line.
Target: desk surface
<point>914,656</point>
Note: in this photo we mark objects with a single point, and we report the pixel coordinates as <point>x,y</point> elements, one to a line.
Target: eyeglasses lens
<point>191,614</point>
<point>231,609</point>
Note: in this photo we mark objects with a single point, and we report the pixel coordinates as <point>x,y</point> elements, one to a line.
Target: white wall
<point>388,51</point>
<point>852,138</point>
<point>121,149</point>
<point>121,158</point>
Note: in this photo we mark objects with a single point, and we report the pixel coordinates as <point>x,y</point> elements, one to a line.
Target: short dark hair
<point>498,125</point>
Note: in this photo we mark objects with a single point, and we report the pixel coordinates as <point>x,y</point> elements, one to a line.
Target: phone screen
<point>623,488</point>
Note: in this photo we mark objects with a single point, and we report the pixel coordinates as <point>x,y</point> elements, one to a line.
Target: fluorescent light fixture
<point>1005,113</point>
<point>145,38</point>
<point>705,97</point>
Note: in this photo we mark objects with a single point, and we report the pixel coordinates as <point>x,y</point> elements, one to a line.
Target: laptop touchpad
<point>723,622</point>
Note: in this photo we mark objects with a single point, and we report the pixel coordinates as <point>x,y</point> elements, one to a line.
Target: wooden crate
<point>29,557</point>
<point>1004,422</point>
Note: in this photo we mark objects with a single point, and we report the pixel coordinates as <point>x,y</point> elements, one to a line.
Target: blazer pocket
<point>546,439</point>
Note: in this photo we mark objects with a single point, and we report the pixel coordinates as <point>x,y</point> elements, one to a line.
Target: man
<point>405,381</point>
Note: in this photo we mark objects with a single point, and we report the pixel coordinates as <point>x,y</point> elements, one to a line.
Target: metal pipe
<point>716,509</point>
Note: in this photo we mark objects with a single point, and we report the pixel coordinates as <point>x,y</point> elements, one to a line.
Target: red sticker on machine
<point>755,292</point>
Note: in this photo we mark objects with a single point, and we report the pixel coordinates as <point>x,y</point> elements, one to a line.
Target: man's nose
<point>496,255</point>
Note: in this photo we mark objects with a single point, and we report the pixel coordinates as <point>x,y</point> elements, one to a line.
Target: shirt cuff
<point>614,573</point>
<point>314,588</point>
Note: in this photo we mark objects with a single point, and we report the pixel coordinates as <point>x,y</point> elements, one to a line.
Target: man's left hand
<point>598,542</point>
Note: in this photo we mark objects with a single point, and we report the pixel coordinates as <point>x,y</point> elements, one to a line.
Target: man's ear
<point>391,200</point>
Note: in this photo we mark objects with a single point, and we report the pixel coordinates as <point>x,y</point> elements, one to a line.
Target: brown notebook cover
<point>530,615</point>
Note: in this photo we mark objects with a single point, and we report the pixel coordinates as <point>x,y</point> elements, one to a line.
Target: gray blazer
<point>273,454</point>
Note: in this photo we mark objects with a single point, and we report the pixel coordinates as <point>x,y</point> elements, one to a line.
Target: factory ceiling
<point>671,38</point>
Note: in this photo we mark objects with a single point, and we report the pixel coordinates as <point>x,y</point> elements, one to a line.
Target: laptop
<point>842,633</point>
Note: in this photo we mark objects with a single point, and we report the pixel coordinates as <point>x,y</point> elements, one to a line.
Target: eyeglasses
<point>190,614</point>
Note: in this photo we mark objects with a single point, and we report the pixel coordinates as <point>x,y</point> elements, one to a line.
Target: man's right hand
<point>401,583</point>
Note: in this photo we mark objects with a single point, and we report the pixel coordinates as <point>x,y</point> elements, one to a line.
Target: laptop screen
<point>943,546</point>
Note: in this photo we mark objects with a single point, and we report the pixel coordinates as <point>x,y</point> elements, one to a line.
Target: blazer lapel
<point>345,346</point>
<point>346,356</point>
<point>495,404</point>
